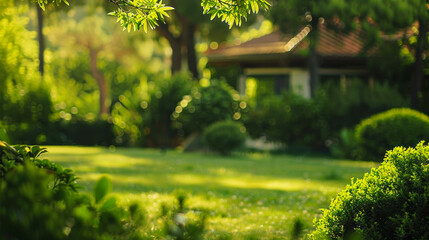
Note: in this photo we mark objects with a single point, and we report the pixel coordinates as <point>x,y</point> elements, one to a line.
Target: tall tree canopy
<point>376,17</point>
<point>139,14</point>
<point>180,29</point>
<point>292,15</point>
<point>144,14</point>
<point>390,16</point>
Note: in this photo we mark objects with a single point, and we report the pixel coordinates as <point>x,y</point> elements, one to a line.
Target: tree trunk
<point>176,47</point>
<point>314,59</point>
<point>189,37</point>
<point>101,81</point>
<point>418,64</point>
<point>41,40</point>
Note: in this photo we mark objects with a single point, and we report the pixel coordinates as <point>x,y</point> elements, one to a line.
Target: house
<point>277,61</point>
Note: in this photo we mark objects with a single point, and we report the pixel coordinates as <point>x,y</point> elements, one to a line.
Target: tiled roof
<point>330,44</point>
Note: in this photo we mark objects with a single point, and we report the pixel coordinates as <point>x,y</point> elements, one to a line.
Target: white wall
<point>300,82</point>
<point>299,79</point>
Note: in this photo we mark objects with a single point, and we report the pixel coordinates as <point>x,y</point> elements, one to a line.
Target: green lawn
<point>245,194</point>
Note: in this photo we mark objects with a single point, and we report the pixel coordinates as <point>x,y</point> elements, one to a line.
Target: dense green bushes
<point>318,122</point>
<point>39,200</point>
<point>3,133</point>
<point>396,127</point>
<point>224,136</point>
<point>81,132</point>
<point>391,202</point>
<point>344,106</point>
<point>144,117</point>
<point>207,105</point>
<point>289,118</point>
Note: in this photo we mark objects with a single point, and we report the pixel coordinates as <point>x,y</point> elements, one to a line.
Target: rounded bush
<point>225,136</point>
<point>207,105</point>
<point>396,127</point>
<point>390,202</point>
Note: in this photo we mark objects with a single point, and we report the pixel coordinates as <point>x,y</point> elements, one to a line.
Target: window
<point>259,86</point>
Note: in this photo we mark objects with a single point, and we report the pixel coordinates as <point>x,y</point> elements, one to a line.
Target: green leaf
<point>109,204</point>
<point>102,187</point>
<point>42,6</point>
<point>145,25</point>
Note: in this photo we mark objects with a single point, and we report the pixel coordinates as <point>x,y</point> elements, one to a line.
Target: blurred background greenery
<point>71,75</point>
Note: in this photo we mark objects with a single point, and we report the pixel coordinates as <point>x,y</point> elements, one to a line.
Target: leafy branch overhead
<point>42,3</point>
<point>232,11</point>
<point>137,14</point>
<point>140,13</point>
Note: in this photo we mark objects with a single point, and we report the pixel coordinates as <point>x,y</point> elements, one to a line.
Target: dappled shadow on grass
<point>242,192</point>
<point>258,171</point>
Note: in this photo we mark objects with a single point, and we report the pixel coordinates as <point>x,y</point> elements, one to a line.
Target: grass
<point>245,194</point>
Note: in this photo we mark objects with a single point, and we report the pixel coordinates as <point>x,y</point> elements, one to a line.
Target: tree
<point>137,14</point>
<point>180,31</point>
<point>292,15</point>
<point>41,6</point>
<point>89,31</point>
<point>392,16</point>
<point>24,100</point>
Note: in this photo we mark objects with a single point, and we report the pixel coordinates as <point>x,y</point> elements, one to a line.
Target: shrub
<point>10,157</point>
<point>40,200</point>
<point>143,117</point>
<point>345,106</point>
<point>290,119</point>
<point>3,133</point>
<point>164,97</point>
<point>81,132</point>
<point>224,136</point>
<point>346,145</point>
<point>26,118</point>
<point>396,127</point>
<point>390,202</point>
<point>207,105</point>
<point>30,210</point>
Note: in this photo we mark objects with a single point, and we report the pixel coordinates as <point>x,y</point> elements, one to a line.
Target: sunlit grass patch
<point>244,195</point>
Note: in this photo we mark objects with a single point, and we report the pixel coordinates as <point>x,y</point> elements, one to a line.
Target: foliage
<point>346,146</point>
<point>25,101</point>
<point>81,132</point>
<point>247,190</point>
<point>180,223</point>
<point>3,133</point>
<point>27,117</point>
<point>231,11</point>
<point>224,136</point>
<point>145,13</point>
<point>31,210</point>
<point>297,230</point>
<point>391,202</point>
<point>144,117</point>
<point>206,105</point>
<point>137,14</point>
<point>39,200</point>
<point>164,94</point>
<point>354,101</point>
<point>318,122</point>
<point>396,127</point>
<point>63,179</point>
<point>288,118</point>
<point>42,3</point>
<point>28,209</point>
